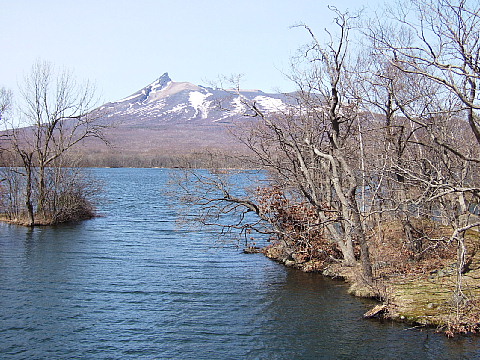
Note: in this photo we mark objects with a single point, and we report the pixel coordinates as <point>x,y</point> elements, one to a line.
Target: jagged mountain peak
<point>148,91</point>
<point>161,82</point>
<point>165,77</point>
<point>158,85</point>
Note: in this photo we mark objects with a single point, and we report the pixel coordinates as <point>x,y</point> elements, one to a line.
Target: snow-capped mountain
<point>167,122</point>
<point>167,102</point>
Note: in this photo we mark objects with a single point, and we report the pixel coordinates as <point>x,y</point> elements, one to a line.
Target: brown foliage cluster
<point>73,207</point>
<point>297,225</point>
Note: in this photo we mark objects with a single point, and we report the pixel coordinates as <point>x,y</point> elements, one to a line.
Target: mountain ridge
<point>167,101</point>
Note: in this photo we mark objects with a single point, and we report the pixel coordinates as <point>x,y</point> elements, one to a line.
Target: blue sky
<point>124,45</point>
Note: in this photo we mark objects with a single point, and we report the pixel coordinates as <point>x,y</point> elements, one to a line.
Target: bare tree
<point>437,43</point>
<point>5,102</point>
<point>438,40</point>
<point>56,113</point>
<point>311,147</point>
<point>339,118</point>
<point>5,108</point>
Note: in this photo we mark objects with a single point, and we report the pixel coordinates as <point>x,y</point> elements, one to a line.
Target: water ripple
<point>133,285</point>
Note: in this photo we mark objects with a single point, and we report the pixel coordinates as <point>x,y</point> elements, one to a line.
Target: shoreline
<point>41,221</point>
<point>423,301</point>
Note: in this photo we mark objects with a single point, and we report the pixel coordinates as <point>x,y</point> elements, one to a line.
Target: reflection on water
<point>132,284</point>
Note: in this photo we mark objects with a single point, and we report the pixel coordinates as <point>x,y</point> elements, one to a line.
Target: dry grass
<point>420,290</point>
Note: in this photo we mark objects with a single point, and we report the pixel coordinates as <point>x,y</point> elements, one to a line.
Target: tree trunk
<point>41,190</point>
<point>359,234</point>
<point>28,200</point>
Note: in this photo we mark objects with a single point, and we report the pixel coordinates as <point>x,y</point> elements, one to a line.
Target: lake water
<point>134,285</point>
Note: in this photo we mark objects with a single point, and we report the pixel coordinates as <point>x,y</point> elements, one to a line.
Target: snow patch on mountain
<point>161,83</point>
<point>238,105</point>
<point>177,109</point>
<point>270,104</point>
<point>199,103</point>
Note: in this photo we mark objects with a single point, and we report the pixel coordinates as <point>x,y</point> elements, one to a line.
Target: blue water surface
<point>134,284</point>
